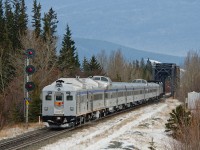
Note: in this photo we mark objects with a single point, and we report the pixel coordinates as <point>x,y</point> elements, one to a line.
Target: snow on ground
<point>9,132</point>
<point>133,130</point>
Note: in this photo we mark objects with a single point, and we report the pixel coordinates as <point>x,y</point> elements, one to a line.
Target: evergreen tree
<point>36,21</point>
<point>94,67</point>
<point>49,30</point>
<point>68,58</point>
<point>23,18</point>
<point>53,22</point>
<point>77,63</point>
<point>35,108</point>
<point>3,31</point>
<point>50,24</point>
<point>179,119</point>
<point>46,27</point>
<point>137,64</point>
<point>15,26</point>
<point>9,22</point>
<point>7,71</point>
<point>142,64</point>
<point>85,65</point>
<point>2,22</point>
<point>148,70</point>
<point>149,66</point>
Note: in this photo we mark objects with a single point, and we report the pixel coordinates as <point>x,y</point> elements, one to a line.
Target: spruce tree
<point>7,71</point>
<point>23,18</point>
<point>49,25</point>
<point>9,22</point>
<point>53,22</point>
<point>48,33</point>
<point>148,70</point>
<point>85,65</point>
<point>15,26</point>
<point>137,64</point>
<point>94,66</point>
<point>77,63</point>
<point>5,42</point>
<point>2,23</point>
<point>179,119</point>
<point>36,21</point>
<point>68,58</point>
<point>46,27</point>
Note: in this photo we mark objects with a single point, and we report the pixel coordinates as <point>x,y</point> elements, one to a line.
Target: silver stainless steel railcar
<point>70,101</point>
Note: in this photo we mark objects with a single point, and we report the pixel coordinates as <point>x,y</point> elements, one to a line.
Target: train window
<point>143,81</point>
<point>59,97</point>
<point>120,94</point>
<point>114,95</point>
<point>104,79</point>
<point>98,96</point>
<point>136,92</point>
<point>69,97</point>
<point>96,78</point>
<point>48,97</point>
<point>129,93</point>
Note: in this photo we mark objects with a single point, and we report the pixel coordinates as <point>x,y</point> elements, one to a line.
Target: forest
<point>50,62</point>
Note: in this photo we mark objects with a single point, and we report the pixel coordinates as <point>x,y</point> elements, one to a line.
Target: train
<point>71,101</point>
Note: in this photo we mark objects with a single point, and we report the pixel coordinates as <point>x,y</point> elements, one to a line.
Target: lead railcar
<point>70,101</point>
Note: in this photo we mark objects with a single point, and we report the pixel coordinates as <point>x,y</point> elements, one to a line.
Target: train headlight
<point>58,84</point>
<point>46,108</point>
<point>58,118</point>
<point>71,108</point>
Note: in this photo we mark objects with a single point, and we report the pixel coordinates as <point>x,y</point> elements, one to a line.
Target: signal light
<point>29,86</point>
<point>30,69</point>
<point>30,53</point>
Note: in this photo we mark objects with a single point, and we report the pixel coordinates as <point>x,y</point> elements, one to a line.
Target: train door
<point>59,103</point>
<point>90,100</point>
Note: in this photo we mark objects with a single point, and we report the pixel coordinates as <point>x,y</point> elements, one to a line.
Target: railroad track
<point>38,136</point>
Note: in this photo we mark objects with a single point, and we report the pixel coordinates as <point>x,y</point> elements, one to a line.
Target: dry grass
<point>13,130</point>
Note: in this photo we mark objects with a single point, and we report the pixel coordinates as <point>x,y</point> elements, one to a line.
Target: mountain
<point>160,26</point>
<point>89,47</point>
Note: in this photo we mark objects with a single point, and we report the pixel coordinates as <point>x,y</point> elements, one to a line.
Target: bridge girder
<point>163,71</point>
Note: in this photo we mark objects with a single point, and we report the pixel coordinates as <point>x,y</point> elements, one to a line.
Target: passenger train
<point>70,101</point>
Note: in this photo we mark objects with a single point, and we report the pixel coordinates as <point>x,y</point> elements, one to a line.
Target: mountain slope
<point>164,26</point>
<point>89,47</point>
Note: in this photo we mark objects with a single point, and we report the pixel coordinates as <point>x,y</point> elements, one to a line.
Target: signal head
<point>30,69</point>
<point>30,53</point>
<point>29,86</point>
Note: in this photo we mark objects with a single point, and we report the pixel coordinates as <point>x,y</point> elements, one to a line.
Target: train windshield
<point>59,97</point>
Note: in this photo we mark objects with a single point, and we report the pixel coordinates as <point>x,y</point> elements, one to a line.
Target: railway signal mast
<point>28,85</point>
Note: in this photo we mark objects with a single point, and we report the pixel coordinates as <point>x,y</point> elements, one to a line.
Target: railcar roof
<point>73,84</point>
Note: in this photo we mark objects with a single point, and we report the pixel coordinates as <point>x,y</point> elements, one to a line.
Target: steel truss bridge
<point>169,75</point>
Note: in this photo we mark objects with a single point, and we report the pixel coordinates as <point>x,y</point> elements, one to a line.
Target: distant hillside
<point>89,47</point>
<point>160,26</point>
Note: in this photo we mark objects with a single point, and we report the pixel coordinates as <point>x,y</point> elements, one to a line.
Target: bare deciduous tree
<point>191,76</point>
<point>45,59</point>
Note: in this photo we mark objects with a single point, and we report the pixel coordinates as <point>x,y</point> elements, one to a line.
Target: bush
<point>179,119</point>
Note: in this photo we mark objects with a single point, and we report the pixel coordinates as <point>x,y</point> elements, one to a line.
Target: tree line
<point>16,37</point>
